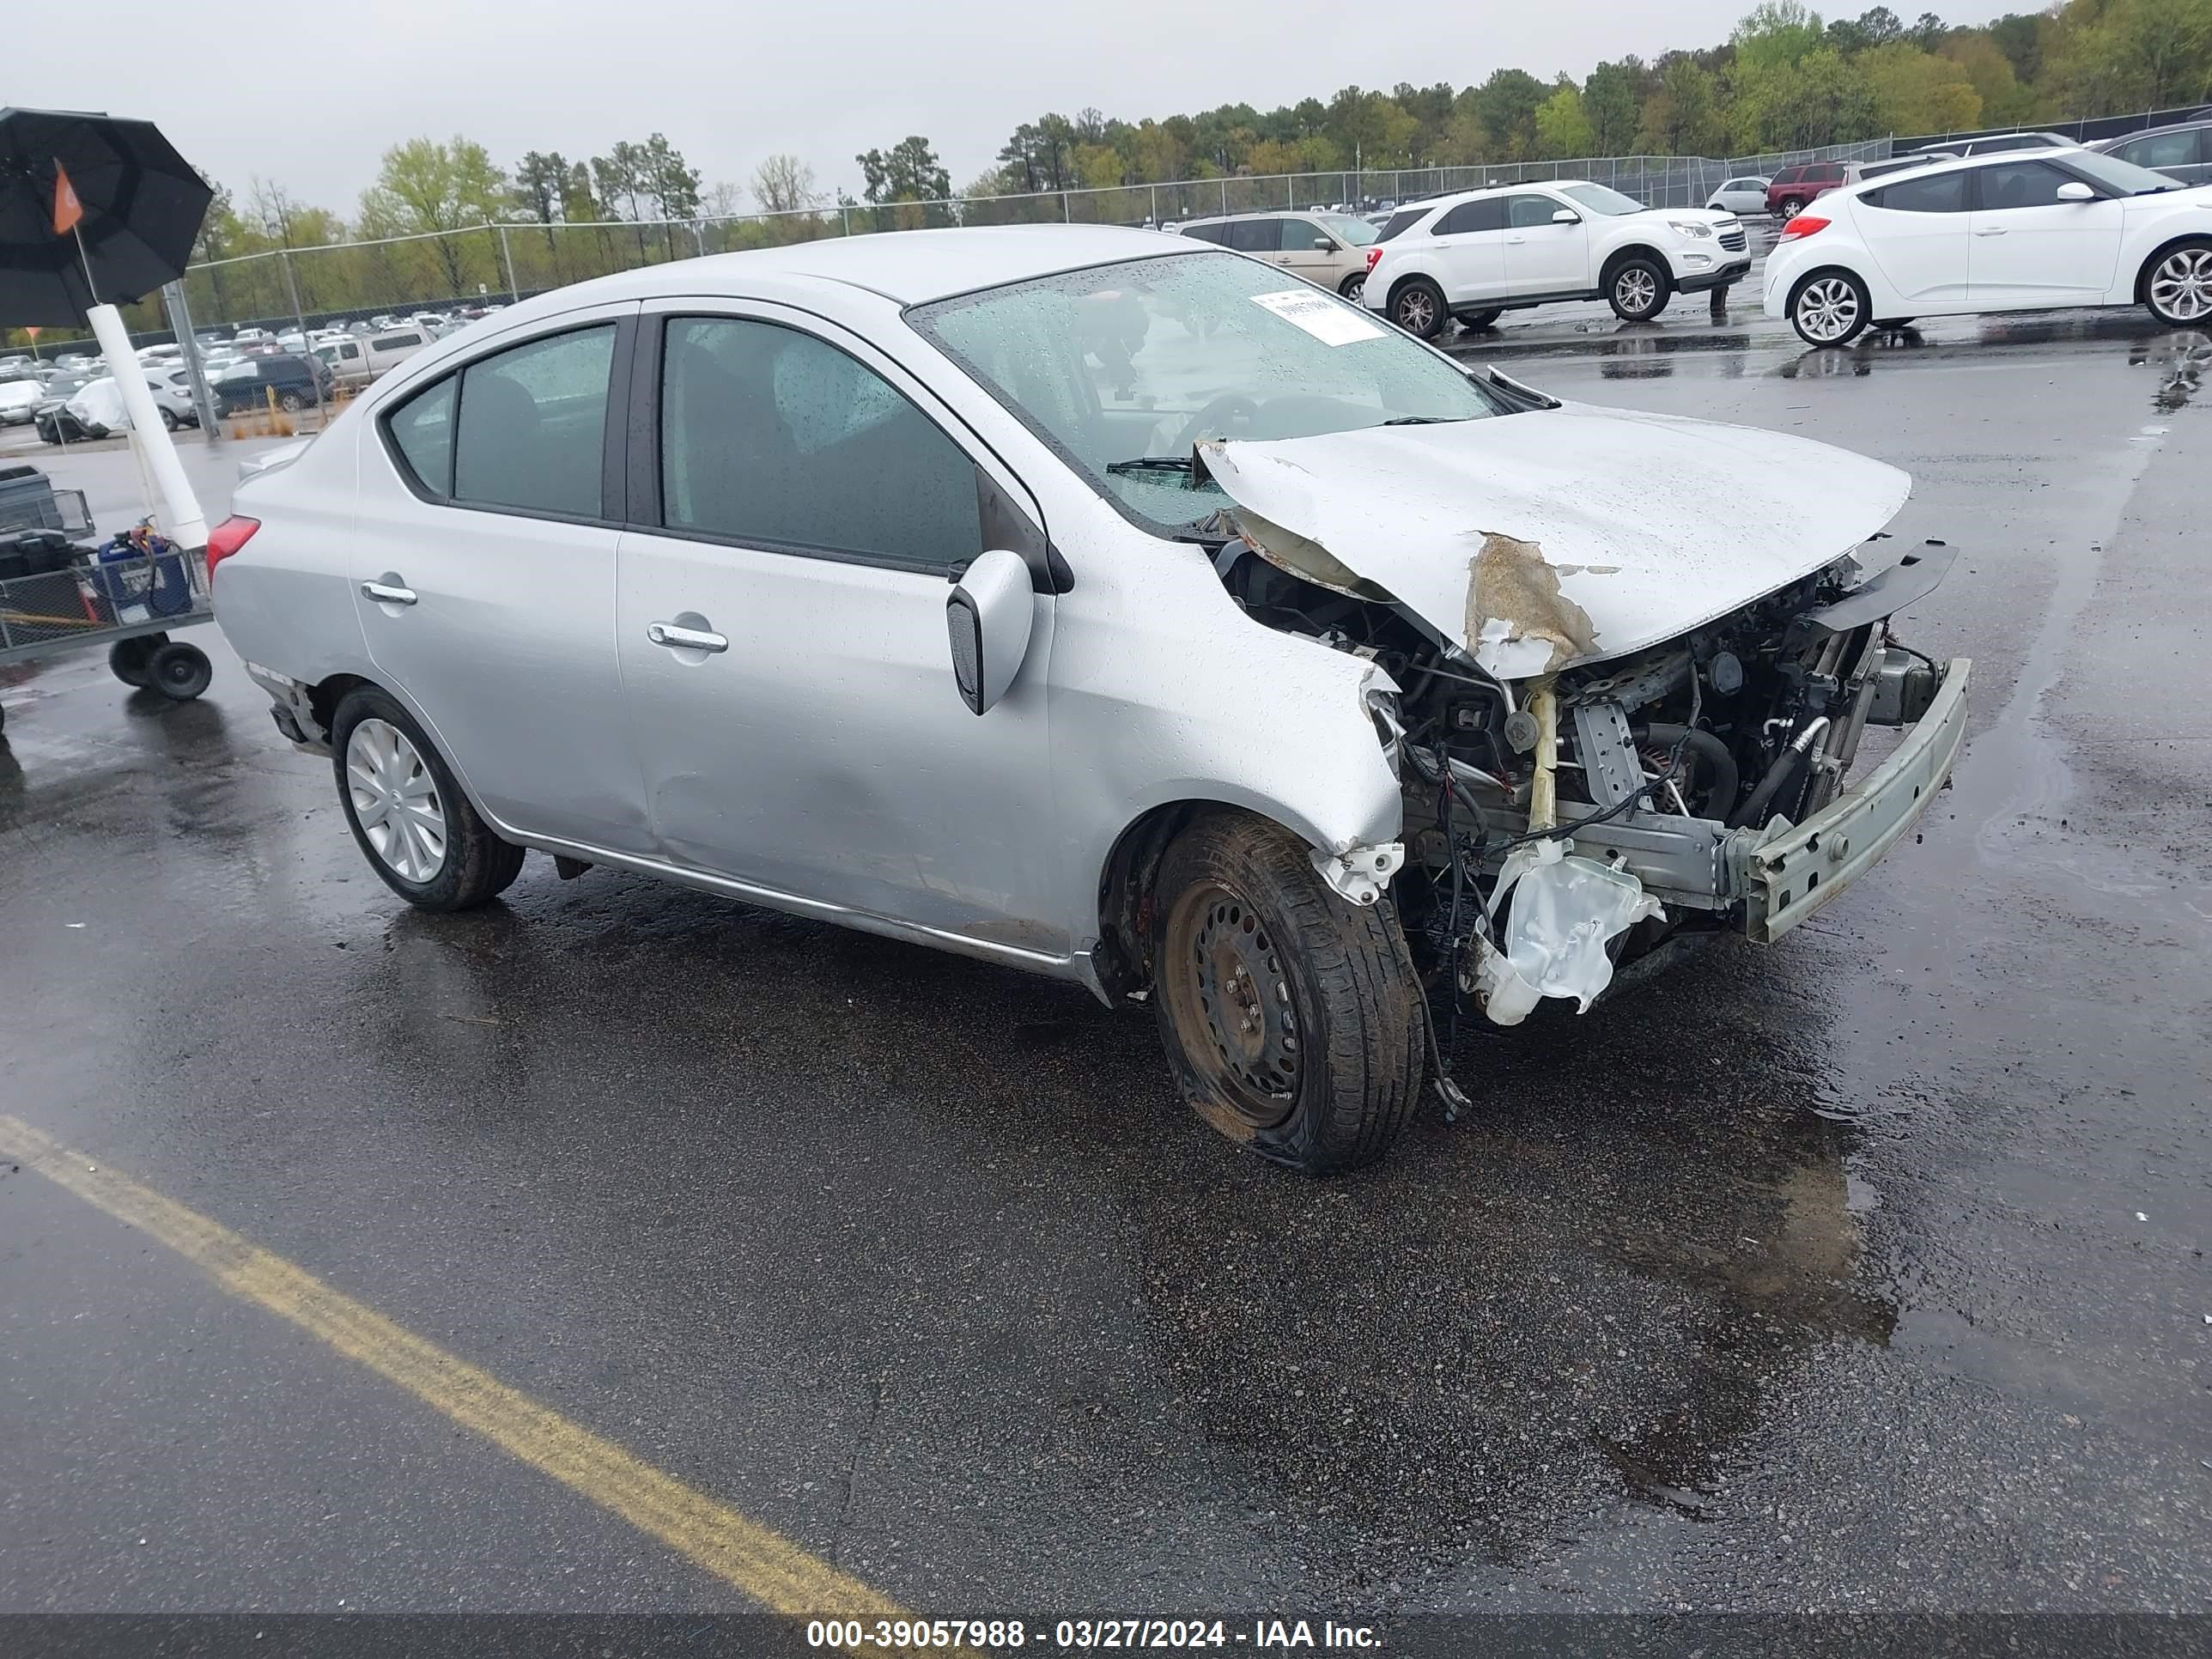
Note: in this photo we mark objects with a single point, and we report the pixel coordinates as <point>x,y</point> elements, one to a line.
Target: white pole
<point>185,524</point>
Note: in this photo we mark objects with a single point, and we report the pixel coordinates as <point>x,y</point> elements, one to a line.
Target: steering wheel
<point>1229,405</point>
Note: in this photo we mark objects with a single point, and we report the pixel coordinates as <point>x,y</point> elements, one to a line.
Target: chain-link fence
<point>502,262</point>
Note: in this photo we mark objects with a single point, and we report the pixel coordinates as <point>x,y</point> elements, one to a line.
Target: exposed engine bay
<point>1560,825</point>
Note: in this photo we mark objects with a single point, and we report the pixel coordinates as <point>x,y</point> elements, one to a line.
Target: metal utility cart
<point>59,593</point>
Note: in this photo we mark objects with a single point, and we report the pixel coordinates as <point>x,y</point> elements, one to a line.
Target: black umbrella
<point>141,202</point>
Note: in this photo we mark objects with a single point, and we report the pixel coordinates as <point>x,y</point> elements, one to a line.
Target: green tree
<point>670,183</point>
<point>907,172</point>
<point>1776,34</point>
<point>1612,99</point>
<point>425,185</point>
<point>1684,116</point>
<point>1506,103</point>
<point>1563,127</point>
<point>1914,91</point>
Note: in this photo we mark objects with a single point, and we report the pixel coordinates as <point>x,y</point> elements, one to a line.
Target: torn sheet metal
<point>1542,540</point>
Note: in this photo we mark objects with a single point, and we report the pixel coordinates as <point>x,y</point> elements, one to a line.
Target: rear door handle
<point>386,594</point>
<point>685,639</point>
<point>1990,230</point>
<point>1515,241</point>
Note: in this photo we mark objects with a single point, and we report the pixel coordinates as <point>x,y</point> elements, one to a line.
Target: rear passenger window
<point>1489,214</point>
<point>774,438</point>
<point>532,428</point>
<point>422,431</point>
<point>1252,235</point>
<point>1943,193</point>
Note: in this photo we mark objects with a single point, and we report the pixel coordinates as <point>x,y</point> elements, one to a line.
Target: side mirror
<point>1324,245</point>
<point>1566,216</point>
<point>987,618</point>
<point>2074,190</point>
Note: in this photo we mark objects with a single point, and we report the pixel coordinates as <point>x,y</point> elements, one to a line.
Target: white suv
<point>1474,255</point>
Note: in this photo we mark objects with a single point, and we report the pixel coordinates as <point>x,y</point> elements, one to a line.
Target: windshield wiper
<point>1152,464</point>
<point>1423,420</point>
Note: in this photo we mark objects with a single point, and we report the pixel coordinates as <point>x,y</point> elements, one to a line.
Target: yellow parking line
<point>762,1563</point>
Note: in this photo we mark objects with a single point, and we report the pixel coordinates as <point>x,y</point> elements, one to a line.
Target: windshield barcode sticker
<point>1327,320</point>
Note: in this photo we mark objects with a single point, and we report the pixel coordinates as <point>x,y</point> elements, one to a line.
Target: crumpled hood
<point>1557,537</point>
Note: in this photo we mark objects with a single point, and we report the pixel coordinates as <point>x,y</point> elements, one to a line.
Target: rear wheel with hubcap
<point>1829,308</point>
<point>1292,1016</point>
<point>2178,285</point>
<point>1418,307</point>
<point>421,834</point>
<point>1353,286</point>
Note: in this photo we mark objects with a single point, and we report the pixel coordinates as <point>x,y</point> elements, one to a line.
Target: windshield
<point>1121,368</point>
<point>1345,228</point>
<point>2124,178</point>
<point>1602,198</point>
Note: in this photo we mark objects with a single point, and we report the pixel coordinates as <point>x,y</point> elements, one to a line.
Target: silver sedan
<point>1102,604</point>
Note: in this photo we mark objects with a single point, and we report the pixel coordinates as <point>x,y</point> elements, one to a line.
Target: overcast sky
<point>731,81</point>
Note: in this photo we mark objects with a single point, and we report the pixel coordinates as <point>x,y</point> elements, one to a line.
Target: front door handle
<point>1515,241</point>
<point>1990,230</point>
<point>388,592</point>
<point>678,638</point>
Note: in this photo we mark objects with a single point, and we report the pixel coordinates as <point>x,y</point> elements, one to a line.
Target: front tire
<point>1418,307</point>
<point>1293,1018</point>
<point>168,420</point>
<point>1638,289</point>
<point>411,821</point>
<point>1475,321</point>
<point>2177,284</point>
<point>1830,308</point>
<point>1353,286</point>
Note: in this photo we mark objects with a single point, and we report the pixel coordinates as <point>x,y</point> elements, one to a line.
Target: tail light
<point>226,538</point>
<point>1374,254</point>
<point>1800,227</point>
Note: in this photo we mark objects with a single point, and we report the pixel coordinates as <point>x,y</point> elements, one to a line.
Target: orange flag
<point>67,208</point>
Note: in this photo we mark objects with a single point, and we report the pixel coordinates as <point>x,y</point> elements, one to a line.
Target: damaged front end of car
<point>1610,735</point>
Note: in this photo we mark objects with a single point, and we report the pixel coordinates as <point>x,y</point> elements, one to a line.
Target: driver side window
<point>1522,212</point>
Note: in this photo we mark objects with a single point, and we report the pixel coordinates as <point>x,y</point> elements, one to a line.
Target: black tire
<point>1639,287</point>
<point>1417,305</point>
<point>129,660</point>
<point>169,422</point>
<point>1882,325</point>
<point>1791,207</point>
<point>290,402</point>
<point>2180,273</point>
<point>1353,286</point>
<point>1332,1069</point>
<point>476,865</point>
<point>1822,314</point>
<point>1480,319</point>
<point>178,672</point>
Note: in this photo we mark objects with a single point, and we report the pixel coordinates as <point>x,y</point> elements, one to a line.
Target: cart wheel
<point>179,671</point>
<point>128,658</point>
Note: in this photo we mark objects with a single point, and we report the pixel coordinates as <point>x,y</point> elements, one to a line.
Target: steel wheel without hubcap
<point>2181,287</point>
<point>1227,973</point>
<point>395,800</point>
<point>1828,310</point>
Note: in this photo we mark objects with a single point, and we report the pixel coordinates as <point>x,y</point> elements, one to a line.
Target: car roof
<point>2146,132</point>
<point>908,267</point>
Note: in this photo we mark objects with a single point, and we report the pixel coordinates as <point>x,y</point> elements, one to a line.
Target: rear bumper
<point>1793,874</point>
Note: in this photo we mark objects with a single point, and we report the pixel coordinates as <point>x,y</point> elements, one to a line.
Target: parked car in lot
<point>1739,195</point>
<point>50,417</point>
<point>2006,231</point>
<point>98,409</point>
<point>2182,153</point>
<point>19,401</point>
<point>844,578</point>
<point>1793,186</point>
<point>245,386</point>
<point>1478,254</point>
<point>2000,143</point>
<point>1324,247</point>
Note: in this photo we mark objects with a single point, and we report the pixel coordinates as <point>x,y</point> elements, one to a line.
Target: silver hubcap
<point>2181,288</point>
<point>1828,309</point>
<point>1354,287</point>
<point>1635,290</point>
<point>1416,310</point>
<point>395,800</point>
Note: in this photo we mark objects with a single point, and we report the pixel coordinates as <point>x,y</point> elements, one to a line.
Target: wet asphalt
<point>1862,1271</point>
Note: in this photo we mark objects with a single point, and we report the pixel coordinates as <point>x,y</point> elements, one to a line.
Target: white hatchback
<point>2039,232</point>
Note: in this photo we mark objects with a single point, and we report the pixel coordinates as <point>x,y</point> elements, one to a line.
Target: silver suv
<point>1093,604</point>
